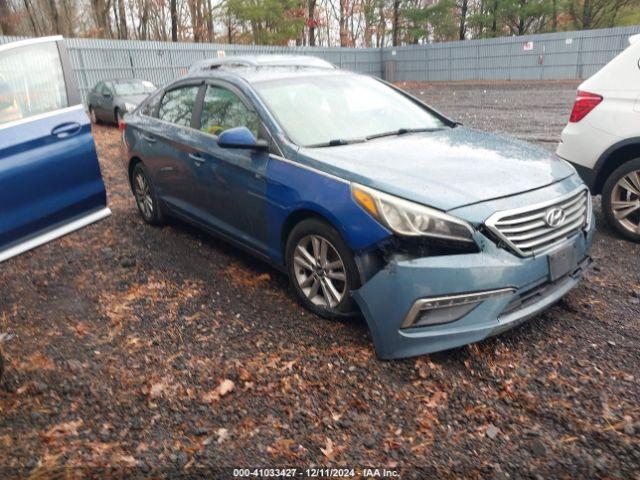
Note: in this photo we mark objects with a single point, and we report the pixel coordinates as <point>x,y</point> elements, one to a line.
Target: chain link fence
<point>552,56</point>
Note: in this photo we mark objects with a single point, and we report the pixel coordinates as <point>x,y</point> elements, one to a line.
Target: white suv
<point>602,138</point>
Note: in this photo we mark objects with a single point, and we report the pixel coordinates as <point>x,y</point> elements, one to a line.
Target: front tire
<point>322,269</point>
<point>145,194</point>
<point>621,200</point>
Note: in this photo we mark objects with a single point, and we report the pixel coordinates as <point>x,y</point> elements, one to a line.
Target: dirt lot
<point>164,350</point>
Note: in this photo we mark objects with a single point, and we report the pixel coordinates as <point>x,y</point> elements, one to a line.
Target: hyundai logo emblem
<point>555,217</point>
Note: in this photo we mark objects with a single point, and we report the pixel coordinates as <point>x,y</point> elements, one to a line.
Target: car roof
<point>259,68</point>
<point>256,61</point>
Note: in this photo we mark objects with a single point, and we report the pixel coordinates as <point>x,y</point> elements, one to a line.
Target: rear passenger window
<point>177,105</point>
<point>31,82</point>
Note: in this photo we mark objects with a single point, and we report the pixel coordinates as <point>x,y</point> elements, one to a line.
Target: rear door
<point>168,148</point>
<point>50,181</point>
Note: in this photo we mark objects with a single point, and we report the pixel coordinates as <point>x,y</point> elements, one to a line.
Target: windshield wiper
<point>337,142</point>
<point>402,131</point>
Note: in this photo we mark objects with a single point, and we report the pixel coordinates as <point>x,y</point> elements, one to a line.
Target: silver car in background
<point>109,100</point>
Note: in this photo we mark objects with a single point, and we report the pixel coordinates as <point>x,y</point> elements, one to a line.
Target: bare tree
<point>311,21</point>
<point>100,9</point>
<point>7,23</point>
<point>464,7</point>
<point>396,22</point>
<point>382,24</point>
<point>209,20</point>
<point>55,17</point>
<point>122,25</point>
<point>174,20</point>
<point>30,15</point>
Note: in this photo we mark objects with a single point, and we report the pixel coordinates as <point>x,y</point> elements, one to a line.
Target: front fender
<point>293,187</point>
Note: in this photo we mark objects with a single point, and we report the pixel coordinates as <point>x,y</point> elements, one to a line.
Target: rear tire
<point>322,269</point>
<point>145,195</point>
<point>621,200</point>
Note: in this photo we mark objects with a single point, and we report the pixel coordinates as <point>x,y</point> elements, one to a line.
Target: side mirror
<point>241,137</point>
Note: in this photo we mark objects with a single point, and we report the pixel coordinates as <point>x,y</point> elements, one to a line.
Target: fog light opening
<point>439,310</point>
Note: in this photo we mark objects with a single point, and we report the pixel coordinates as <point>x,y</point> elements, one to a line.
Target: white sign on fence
<point>528,46</point>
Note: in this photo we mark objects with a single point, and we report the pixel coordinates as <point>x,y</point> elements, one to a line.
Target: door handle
<point>199,160</point>
<point>65,130</point>
<point>148,138</point>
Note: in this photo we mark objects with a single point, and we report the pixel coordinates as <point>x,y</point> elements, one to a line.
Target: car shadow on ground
<point>258,267</point>
<point>356,325</point>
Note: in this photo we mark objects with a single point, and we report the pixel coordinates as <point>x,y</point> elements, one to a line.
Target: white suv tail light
<point>585,102</point>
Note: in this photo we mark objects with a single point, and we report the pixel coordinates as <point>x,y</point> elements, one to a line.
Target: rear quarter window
<point>150,107</point>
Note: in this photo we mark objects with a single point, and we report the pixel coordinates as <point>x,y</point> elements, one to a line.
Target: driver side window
<point>223,109</point>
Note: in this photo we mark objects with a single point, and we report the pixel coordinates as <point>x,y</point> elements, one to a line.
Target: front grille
<point>526,231</point>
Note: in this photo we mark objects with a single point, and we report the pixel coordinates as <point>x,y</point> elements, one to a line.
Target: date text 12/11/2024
<point>315,473</point>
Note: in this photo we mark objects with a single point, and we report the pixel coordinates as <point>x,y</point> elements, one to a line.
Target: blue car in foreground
<point>370,200</point>
<point>50,180</point>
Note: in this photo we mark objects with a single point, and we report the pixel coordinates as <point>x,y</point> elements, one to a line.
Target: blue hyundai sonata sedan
<point>370,200</point>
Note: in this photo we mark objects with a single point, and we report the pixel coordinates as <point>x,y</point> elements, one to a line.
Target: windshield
<point>336,109</point>
<point>134,87</point>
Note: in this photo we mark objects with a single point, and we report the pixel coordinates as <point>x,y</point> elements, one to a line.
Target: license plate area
<point>562,261</point>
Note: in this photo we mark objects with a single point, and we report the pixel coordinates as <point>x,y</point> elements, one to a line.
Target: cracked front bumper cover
<point>389,295</point>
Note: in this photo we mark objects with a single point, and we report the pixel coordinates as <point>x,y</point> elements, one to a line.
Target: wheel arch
<point>612,158</point>
<point>301,214</point>
<point>133,161</point>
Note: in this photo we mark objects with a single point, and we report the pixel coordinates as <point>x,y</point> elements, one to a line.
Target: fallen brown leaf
<point>225,387</point>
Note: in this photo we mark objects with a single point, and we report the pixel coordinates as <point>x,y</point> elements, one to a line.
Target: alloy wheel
<point>319,271</point>
<point>625,201</point>
<point>144,199</point>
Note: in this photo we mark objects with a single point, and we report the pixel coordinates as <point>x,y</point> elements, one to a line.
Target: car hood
<point>135,99</point>
<point>445,169</point>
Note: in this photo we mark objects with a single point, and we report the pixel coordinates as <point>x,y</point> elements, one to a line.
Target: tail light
<point>585,102</point>
<point>121,126</point>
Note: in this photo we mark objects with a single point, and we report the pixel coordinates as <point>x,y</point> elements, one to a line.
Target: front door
<point>50,181</point>
<point>230,183</point>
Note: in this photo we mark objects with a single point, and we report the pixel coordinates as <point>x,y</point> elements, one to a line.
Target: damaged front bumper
<point>493,290</point>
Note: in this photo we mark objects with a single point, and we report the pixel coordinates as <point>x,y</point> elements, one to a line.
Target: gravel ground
<point>162,350</point>
<point>534,112</point>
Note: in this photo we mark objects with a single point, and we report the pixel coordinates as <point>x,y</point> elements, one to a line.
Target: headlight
<point>410,219</point>
<point>129,106</point>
